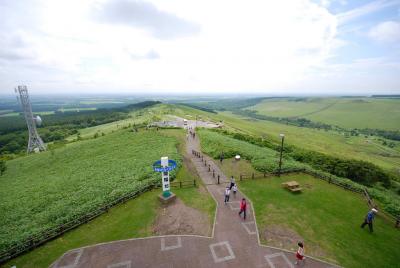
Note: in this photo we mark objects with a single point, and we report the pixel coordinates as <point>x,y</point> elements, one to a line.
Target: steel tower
<point>35,142</point>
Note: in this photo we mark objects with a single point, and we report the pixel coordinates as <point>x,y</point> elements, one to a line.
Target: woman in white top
<point>300,253</point>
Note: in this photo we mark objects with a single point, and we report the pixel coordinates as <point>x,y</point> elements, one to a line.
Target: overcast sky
<point>208,46</point>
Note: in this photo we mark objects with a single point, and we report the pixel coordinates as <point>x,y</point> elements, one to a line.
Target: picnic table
<point>292,186</point>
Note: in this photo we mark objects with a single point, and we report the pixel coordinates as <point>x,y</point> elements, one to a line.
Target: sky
<point>264,47</point>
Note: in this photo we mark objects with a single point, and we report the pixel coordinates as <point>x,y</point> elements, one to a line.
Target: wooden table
<point>292,186</point>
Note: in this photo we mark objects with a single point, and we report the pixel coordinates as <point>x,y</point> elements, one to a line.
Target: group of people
<point>233,187</point>
<point>243,207</point>
<point>191,133</point>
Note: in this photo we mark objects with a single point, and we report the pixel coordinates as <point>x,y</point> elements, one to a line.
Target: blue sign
<point>158,168</point>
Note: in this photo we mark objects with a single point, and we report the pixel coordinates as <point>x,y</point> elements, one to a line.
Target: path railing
<point>208,166</point>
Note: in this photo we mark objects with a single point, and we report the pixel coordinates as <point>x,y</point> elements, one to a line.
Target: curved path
<point>234,242</point>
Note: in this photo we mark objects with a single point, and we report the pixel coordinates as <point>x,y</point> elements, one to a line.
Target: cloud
<point>149,55</point>
<point>160,24</point>
<point>386,32</point>
<point>365,10</point>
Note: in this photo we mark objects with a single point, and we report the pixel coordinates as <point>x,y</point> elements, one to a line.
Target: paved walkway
<point>234,241</point>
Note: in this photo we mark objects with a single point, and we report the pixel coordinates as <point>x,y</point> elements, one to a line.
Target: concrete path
<point>234,241</point>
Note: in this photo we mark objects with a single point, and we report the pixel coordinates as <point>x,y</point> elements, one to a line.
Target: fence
<point>207,165</point>
<point>184,184</point>
<point>47,235</point>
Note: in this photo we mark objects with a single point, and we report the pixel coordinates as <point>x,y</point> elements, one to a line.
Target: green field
<point>42,191</point>
<point>327,218</point>
<point>328,142</point>
<point>77,109</point>
<point>344,112</point>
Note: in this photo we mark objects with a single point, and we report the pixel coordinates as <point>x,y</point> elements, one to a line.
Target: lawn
<point>327,217</point>
<point>41,191</point>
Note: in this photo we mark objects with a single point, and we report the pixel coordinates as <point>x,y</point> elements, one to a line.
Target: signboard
<point>164,166</point>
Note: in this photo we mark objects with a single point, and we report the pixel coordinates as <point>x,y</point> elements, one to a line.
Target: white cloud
<point>231,46</point>
<point>386,32</point>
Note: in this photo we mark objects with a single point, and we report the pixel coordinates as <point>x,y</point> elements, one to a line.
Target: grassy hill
<point>41,191</point>
<point>344,112</point>
<point>328,142</point>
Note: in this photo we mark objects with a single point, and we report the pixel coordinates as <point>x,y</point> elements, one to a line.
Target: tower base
<point>166,200</point>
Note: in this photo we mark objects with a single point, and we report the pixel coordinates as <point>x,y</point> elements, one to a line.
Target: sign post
<point>164,166</point>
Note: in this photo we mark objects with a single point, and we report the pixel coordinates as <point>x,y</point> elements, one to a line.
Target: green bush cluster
<point>41,191</point>
<point>359,171</point>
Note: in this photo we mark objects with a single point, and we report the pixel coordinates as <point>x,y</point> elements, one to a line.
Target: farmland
<point>344,112</point>
<point>70,181</point>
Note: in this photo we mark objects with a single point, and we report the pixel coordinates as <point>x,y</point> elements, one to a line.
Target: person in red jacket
<point>243,206</point>
<point>300,254</point>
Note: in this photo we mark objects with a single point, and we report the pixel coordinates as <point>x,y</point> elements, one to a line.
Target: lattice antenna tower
<point>35,142</point>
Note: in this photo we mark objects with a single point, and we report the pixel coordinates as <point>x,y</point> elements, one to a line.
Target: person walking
<point>234,188</point>
<point>232,183</point>
<point>369,219</point>
<point>243,207</point>
<point>221,157</point>
<point>227,192</point>
<point>300,253</point>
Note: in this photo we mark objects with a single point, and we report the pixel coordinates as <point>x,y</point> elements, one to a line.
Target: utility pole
<point>280,158</point>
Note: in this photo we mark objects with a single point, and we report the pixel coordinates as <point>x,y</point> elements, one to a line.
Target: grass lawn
<point>327,217</point>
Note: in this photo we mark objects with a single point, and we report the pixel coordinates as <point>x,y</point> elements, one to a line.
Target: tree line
<point>58,126</point>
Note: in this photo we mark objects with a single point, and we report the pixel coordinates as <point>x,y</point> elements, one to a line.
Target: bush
<point>359,171</point>
<point>2,166</point>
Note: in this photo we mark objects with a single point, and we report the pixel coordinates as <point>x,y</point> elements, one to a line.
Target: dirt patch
<point>282,237</point>
<point>177,218</point>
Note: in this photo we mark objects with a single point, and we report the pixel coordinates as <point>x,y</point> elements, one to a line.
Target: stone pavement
<point>234,241</point>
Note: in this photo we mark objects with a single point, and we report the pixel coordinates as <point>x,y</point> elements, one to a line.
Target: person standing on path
<point>221,157</point>
<point>300,253</point>
<point>369,219</point>
<point>227,192</point>
<point>243,207</point>
<point>234,190</point>
<point>232,183</point>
